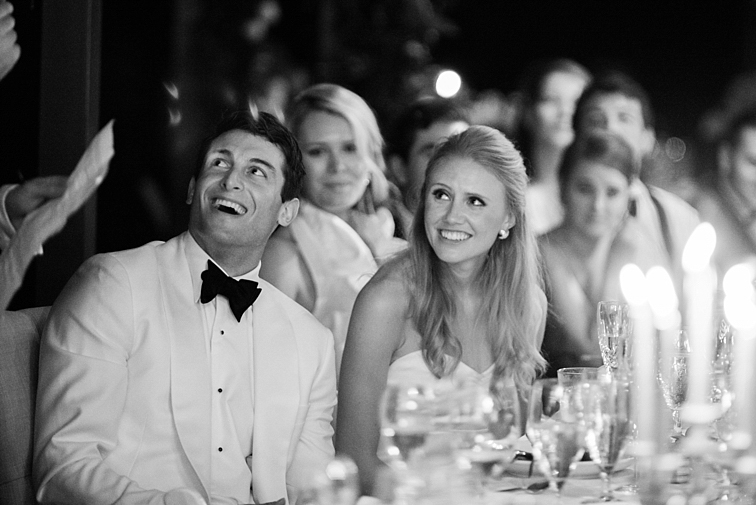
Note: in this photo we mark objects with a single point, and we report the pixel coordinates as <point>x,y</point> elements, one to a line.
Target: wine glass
<point>556,433</point>
<point>672,376</point>
<point>336,484</point>
<point>610,428</point>
<point>486,422</point>
<point>613,325</point>
<point>407,413</point>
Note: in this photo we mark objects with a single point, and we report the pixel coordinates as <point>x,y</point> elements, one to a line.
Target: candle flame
<point>739,306</point>
<point>662,298</point>
<point>633,284</point>
<point>699,248</point>
<point>738,281</point>
<point>740,312</point>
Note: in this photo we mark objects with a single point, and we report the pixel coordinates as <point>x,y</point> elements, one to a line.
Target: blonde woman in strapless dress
<point>465,302</point>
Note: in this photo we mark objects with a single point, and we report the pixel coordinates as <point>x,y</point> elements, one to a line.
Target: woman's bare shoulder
<point>389,287</point>
<point>376,328</point>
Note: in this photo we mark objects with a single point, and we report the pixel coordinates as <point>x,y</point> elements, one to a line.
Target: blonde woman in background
<point>342,232</point>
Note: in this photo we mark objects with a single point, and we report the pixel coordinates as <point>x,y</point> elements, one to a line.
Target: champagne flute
<point>487,422</point>
<point>613,324</point>
<point>672,376</point>
<point>725,426</point>
<point>609,429</point>
<point>555,432</point>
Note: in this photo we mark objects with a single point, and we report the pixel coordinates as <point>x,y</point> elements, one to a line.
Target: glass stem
<point>677,426</point>
<point>606,486</point>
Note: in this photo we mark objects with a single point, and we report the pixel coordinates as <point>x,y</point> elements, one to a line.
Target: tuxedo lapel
<point>190,374</point>
<point>276,390</point>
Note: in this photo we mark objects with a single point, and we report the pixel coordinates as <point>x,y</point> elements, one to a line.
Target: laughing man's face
<point>236,199</point>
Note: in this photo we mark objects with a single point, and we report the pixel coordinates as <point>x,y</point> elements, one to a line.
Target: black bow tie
<point>240,294</point>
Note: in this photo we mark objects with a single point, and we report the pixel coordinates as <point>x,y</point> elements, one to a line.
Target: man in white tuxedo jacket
<point>158,386</point>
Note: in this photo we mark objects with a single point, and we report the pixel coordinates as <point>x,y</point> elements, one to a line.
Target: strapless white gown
<point>411,369</point>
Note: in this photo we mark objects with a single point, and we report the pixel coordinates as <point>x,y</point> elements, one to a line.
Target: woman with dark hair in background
<point>583,256</point>
<point>547,95</point>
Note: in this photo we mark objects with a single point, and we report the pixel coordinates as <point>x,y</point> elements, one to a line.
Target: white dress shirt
<point>229,351</point>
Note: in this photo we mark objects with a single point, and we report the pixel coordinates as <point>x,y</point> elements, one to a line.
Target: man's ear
<point>190,191</point>
<point>648,141</point>
<point>398,169</point>
<point>288,212</point>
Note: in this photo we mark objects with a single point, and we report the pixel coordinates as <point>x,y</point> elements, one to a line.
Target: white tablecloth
<point>574,492</point>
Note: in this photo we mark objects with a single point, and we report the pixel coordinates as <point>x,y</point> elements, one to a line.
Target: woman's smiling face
<point>465,208</point>
<point>337,166</point>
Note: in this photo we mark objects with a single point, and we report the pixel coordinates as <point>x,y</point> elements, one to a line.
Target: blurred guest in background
<point>464,303</point>
<point>727,198</point>
<point>583,255</point>
<point>17,201</point>
<point>547,95</point>
<point>342,231</point>
<point>159,382</point>
<point>615,102</point>
<point>424,124</point>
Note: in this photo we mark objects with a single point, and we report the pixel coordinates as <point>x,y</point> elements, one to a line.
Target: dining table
<point>517,489</point>
<point>513,489</point>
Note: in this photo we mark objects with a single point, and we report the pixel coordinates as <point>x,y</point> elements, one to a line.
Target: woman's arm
<point>375,332</point>
<point>284,267</point>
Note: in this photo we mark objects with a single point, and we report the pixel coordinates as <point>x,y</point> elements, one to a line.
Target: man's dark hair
<point>420,115</point>
<point>265,125</point>
<point>615,82</point>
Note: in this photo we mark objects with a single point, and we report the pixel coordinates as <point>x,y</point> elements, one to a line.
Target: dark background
<point>684,53</point>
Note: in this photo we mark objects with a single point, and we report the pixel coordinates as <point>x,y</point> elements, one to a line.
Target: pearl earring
<point>503,234</point>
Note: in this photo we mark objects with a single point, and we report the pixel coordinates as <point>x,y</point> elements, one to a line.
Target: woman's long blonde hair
<point>510,280</point>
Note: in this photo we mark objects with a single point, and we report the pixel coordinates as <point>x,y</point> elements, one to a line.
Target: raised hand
<point>31,195</point>
<point>10,51</point>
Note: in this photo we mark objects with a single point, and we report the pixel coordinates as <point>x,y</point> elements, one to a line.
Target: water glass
<point>483,422</point>
<point>557,435</point>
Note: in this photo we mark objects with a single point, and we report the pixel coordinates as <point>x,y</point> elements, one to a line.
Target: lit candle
<point>740,311</point>
<point>698,287</point>
<point>664,305</point>
<point>634,289</point>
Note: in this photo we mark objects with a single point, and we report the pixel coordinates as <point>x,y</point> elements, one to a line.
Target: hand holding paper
<point>50,218</point>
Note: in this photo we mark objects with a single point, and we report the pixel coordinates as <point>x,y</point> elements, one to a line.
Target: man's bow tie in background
<point>240,294</point>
